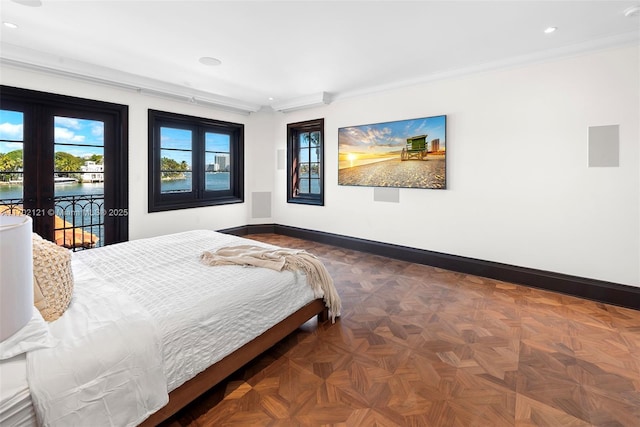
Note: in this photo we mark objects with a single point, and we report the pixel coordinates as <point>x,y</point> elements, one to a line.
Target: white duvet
<point>107,365</point>
<point>154,296</point>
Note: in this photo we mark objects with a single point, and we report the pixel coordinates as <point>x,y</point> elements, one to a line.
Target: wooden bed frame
<point>214,374</point>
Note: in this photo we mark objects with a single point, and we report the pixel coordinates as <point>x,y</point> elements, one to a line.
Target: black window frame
<point>293,132</point>
<point>39,194</point>
<point>198,196</point>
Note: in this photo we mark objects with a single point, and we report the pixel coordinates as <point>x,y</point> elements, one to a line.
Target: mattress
<point>16,409</point>
<point>201,313</point>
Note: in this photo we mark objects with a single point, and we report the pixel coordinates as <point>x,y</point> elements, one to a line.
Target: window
<point>63,161</point>
<point>305,152</point>
<point>194,162</point>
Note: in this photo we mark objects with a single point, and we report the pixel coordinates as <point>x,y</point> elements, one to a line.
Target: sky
<point>86,136</point>
<point>389,137</point>
<point>181,139</point>
<point>82,137</point>
<point>10,130</point>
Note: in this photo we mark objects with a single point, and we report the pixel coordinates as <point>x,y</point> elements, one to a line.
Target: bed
<point>148,315</point>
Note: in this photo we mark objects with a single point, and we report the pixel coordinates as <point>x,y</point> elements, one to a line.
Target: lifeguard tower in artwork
<point>416,148</point>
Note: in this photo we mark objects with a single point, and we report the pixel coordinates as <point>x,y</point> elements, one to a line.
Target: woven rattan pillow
<point>52,278</point>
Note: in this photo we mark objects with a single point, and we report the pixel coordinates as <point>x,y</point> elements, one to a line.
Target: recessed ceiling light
<point>550,30</point>
<point>271,98</point>
<point>10,25</point>
<point>212,62</point>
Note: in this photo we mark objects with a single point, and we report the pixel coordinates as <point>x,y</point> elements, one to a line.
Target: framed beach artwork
<point>405,154</point>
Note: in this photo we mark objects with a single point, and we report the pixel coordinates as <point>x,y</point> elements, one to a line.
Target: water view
<point>79,211</point>
<point>14,191</point>
<point>216,181</point>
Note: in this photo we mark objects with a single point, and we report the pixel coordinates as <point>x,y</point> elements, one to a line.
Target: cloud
<point>97,129</point>
<point>64,135</point>
<point>369,136</point>
<point>10,131</point>
<point>390,136</point>
<point>68,122</point>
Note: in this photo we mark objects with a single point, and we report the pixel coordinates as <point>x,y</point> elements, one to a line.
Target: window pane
<point>11,128</point>
<point>314,154</point>
<point>79,153</point>
<point>216,181</point>
<point>314,168</point>
<point>315,186</point>
<point>175,160</point>
<point>179,139</point>
<point>217,172</point>
<point>176,185</point>
<point>78,175</point>
<point>315,139</point>
<point>174,168</point>
<point>303,155</point>
<point>78,182</point>
<point>217,142</point>
<point>303,171</point>
<point>217,161</point>
<point>11,155</point>
<point>74,131</point>
<point>304,186</point>
<point>304,139</point>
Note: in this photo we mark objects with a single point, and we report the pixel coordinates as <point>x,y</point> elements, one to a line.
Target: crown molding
<point>620,40</point>
<point>27,59</point>
<point>307,101</point>
<point>32,60</point>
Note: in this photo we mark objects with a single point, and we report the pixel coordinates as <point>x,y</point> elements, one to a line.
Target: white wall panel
<point>519,187</point>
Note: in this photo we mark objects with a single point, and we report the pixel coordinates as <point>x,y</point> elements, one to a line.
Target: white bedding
<point>203,313</point>
<point>107,364</point>
<point>16,409</point>
<point>199,313</point>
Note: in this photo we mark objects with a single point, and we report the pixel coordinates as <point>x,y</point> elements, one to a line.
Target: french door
<point>63,161</point>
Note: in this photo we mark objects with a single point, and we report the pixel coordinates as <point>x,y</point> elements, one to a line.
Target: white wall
<point>519,189</point>
<point>142,223</point>
<point>261,161</point>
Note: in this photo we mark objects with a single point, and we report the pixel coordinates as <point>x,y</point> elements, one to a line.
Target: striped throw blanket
<point>281,259</point>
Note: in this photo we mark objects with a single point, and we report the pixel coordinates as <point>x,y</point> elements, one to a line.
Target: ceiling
<point>279,53</point>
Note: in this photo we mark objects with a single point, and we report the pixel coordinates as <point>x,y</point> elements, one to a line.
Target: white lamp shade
<point>16,274</point>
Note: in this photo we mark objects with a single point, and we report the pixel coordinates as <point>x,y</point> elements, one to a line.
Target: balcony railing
<point>78,222</point>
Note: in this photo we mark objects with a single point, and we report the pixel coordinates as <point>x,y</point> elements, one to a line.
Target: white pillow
<point>34,335</point>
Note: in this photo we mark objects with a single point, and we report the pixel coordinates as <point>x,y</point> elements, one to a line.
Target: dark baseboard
<point>249,229</point>
<point>597,290</point>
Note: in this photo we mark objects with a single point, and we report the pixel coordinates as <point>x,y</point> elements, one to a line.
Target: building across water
<point>92,172</point>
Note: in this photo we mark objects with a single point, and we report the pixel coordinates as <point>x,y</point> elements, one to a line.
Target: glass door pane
<point>78,182</point>
<point>11,161</point>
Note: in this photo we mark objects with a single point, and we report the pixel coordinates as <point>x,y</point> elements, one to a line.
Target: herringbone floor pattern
<point>421,346</point>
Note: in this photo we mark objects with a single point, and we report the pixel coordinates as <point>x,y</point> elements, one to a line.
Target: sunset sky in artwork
<point>385,139</point>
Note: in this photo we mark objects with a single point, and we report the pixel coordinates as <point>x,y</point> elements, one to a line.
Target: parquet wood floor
<point>421,346</point>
